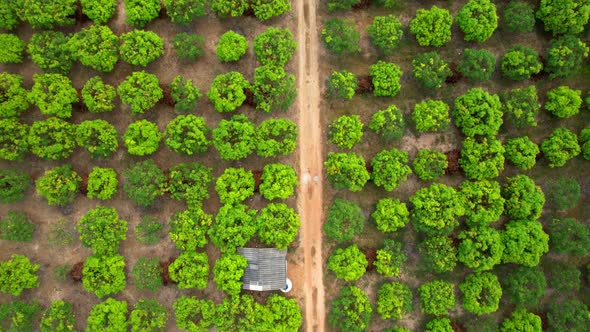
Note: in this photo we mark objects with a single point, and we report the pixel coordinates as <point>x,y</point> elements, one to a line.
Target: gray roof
<point>267,269</point>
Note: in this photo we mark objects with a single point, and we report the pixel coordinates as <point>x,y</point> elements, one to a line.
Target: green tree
<point>188,135</point>
<point>524,242</point>
<point>241,313</point>
<point>569,236</point>
<point>104,275</point>
<point>482,158</point>
<point>286,314</point>
<point>522,106</point>
<point>520,63</point>
<point>14,143</point>
<point>140,48</point>
<point>563,102</point>
<point>438,254</point>
<point>98,96</point>
<point>141,91</point>
<point>147,274</point>
<point>227,91</point>
<point>8,13</point>
<point>522,152</point>
<point>348,264</point>
<point>142,138</point>
<point>138,13</point>
<point>234,226</point>
<point>148,315</point>
<point>385,32</point>
<point>477,65</point>
<point>19,316</point>
<point>108,315</point>
<point>49,51</point>
<point>99,11</point>
<point>483,202</point>
<point>439,324</point>
<point>519,16</point>
<point>565,56</point>
<point>561,146</point>
<point>436,209</point>
<point>53,94</point>
<point>101,230</point>
<point>562,276</point>
<point>190,270</point>
<point>231,46</point>
<point>478,20</point>
<point>521,320</point>
<point>394,300</point>
<point>59,185</point>
<point>345,220</point>
<point>432,27</point>
<point>346,170</point>
<point>148,230</point>
<point>266,9</point>
<point>431,115</point>
<point>59,317</point>
<point>235,139</point>
<point>190,181</point>
<point>18,274</point>
<point>481,248</point>
<point>225,8</point>
<point>277,225</point>
<point>390,168</point>
<point>14,182</point>
<point>564,16</point>
<point>102,183</point>
<point>568,315</point>
<point>341,5</point>
<point>274,46</point>
<point>430,70</point>
<point>584,141</point>
<point>278,181</point>
<point>235,185</point>
<point>16,227</point>
<point>390,215</point>
<point>188,46</point>
<point>386,78</point>
<point>276,137</point>
<point>13,96</point>
<point>47,15</point>
<point>98,137</point>
<point>481,293</point>
<point>389,123</point>
<point>274,89</point>
<point>228,272</point>
<point>437,297</point>
<point>342,84</point>
<point>478,113</point>
<point>52,139</point>
<point>184,12</point>
<point>346,131</point>
<point>429,164</point>
<point>96,47</point>
<point>563,193</point>
<point>194,314</point>
<point>390,258</point>
<point>143,182</point>
<point>524,286</point>
<point>523,198</point>
<point>188,228</point>
<point>341,36</point>
<point>184,93</point>
<point>351,310</point>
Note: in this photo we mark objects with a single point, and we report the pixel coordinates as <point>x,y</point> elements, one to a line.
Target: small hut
<point>266,270</point>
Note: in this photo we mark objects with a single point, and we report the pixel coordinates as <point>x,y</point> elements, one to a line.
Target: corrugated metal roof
<point>266,270</point>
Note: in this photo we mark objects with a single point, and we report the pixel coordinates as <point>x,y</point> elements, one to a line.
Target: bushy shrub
<point>95,47</point>
<point>394,300</point>
<point>12,48</point>
<point>53,94</point>
<point>388,123</point>
<point>351,310</point>
<point>188,228</point>
<point>345,220</point>
<point>8,12</point>
<point>148,315</point>
<point>285,313</point>
<point>139,47</point>
<point>99,11</point>
<point>231,46</point>
<point>98,96</point>
<point>563,102</point>
<point>561,146</point>
<point>524,242</point>
<point>141,91</point>
<point>385,32</point>
<point>104,275</point>
<point>346,170</point>
<point>568,315</point>
<point>184,93</point>
<point>390,169</point>
<point>58,317</point>
<point>148,230</point>
<point>225,8</point>
<point>234,185</point>
<point>14,182</point>
<point>478,113</point>
<point>266,9</point>
<point>47,15</point>
<point>584,139</point>
<point>139,13</point>
<point>273,88</point>
<point>277,225</point>
<point>187,135</point>
<point>519,16</point>
<point>386,78</point>
<point>564,16</point>
<point>183,12</point>
<point>437,297</point>
<point>59,185</point>
<point>147,274</point>
<point>188,46</point>
<point>481,293</point>
<point>430,70</point>
<point>18,274</point>
<point>49,51</point>
<point>477,65</point>
<point>390,215</point>
<point>390,258</point>
<point>520,63</point>
<point>569,236</point>
<point>228,272</point>
<point>523,198</point>
<point>346,131</point>
<point>521,106</point>
<point>342,84</point>
<point>274,46</point>
<point>14,139</point>
<point>481,248</point>
<point>190,270</point>
<point>227,92</point>
<point>431,115</point>
<point>235,138</point>
<point>521,320</point>
<point>142,138</point>
<point>348,264</point>
<point>143,182</point>
<point>432,27</point>
<point>524,286</point>
<point>565,56</point>
<point>478,20</point>
<point>102,183</point>
<point>436,209</point>
<point>18,315</point>
<point>483,202</point>
<point>341,36</point>
<point>342,5</point>
<point>98,137</point>
<point>101,230</point>
<point>563,193</point>
<point>52,138</point>
<point>563,277</point>
<point>234,227</point>
<point>13,96</point>
<point>16,227</point>
<point>439,324</point>
<point>429,164</point>
<point>438,254</point>
<point>194,314</point>
<point>276,137</point>
<point>110,314</point>
<point>190,181</point>
<point>278,181</point>
<point>482,158</point>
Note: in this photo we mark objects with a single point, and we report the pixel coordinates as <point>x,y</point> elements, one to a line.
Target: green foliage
<point>346,171</point>
<point>193,314</point>
<point>437,297</point>
<point>483,202</point>
<point>389,123</point>
<point>8,14</point>
<point>481,248</point>
<point>341,36</point>
<point>565,56</point>
<point>278,181</point>
<point>436,209</point>
<point>53,94</point>
<point>49,51</point>
<point>190,270</point>
<point>16,227</point>
<point>190,181</point>
<point>478,113</point>
<point>351,310</point>
<point>108,315</point>
<point>59,185</point>
<point>228,272</point>
<point>346,131</point>
<point>430,70</point>
<point>188,229</point>
<point>101,230</point>
<point>99,11</point>
<point>564,16</point>
<point>98,96</point>
<point>438,254</point>
<point>104,275</point>
<point>522,152</point>
<point>273,89</point>
<point>563,193</point>
<point>276,137</point>
<point>520,63</point>
<point>59,317</point>
<point>266,9</point>
<point>477,65</point>
<point>227,92</point>
<point>484,323</point>
<point>141,91</point>
<point>481,293</point>
<point>386,78</point>
<point>390,168</point>
<point>482,158</point>
<point>13,96</point>
<point>18,274</point>
<point>241,313</point>
<point>148,315</point>
<point>142,138</point>
<point>522,106</point>
<point>285,312</point>
<point>345,220</point>
<point>561,146</point>
<point>394,300</point>
<point>143,182</point>
<point>14,182</point>
<point>524,286</point>
<point>429,164</point>
<point>139,13</point>
<point>187,135</point>
<point>139,47</point>
<point>563,277</point>
<point>524,242</point>
<point>234,227</point>
<point>569,236</point>
<point>432,27</point>
<point>61,233</point>
<point>52,139</point>
<point>148,231</point>
<point>184,93</point>
<point>14,136</point>
<point>235,139</point>
<point>519,16</point>
<point>18,316</point>
<point>568,315</point>
<point>12,48</point>
<point>231,46</point>
<point>234,185</point>
<point>188,46</point>
<point>431,115</point>
<point>390,215</point>
<point>147,274</point>
<point>98,137</point>
<point>478,20</point>
<point>523,198</point>
<point>341,5</point>
<point>342,84</point>
<point>584,141</point>
<point>439,324</point>
<point>563,102</point>
<point>521,320</point>
<point>47,15</point>
<point>95,47</point>
<point>184,12</point>
<point>225,8</point>
<point>102,183</point>
<point>274,46</point>
<point>385,32</point>
<point>390,258</point>
<point>348,264</point>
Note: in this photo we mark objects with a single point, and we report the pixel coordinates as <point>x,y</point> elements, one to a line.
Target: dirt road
<point>310,161</point>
